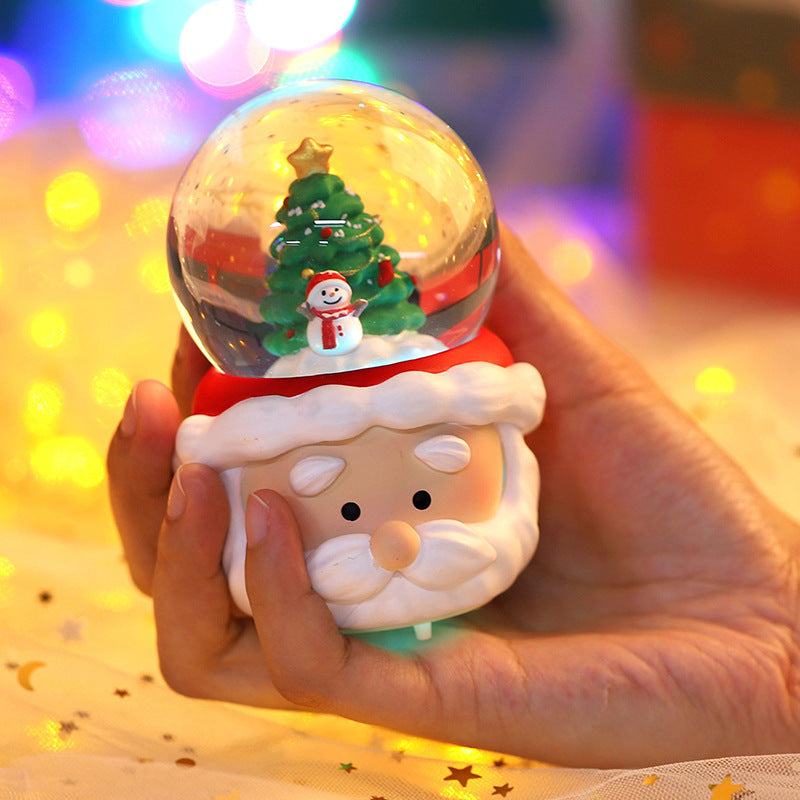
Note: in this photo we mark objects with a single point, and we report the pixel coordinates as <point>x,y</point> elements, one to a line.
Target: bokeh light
<point>72,201</point>
<point>48,329</point>
<point>16,95</point>
<point>157,25</point>
<point>328,60</point>
<point>67,459</point>
<point>49,736</point>
<point>298,25</point>
<point>111,387</point>
<point>138,119</point>
<point>153,272</point>
<point>716,381</point>
<point>78,272</point>
<point>570,261</point>
<point>220,52</point>
<point>43,407</point>
<point>148,218</point>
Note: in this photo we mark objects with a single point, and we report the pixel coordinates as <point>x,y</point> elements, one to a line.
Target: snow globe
<point>333,251</point>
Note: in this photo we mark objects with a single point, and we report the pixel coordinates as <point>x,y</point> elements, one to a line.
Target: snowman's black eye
<point>351,511</point>
<point>324,292</point>
<point>421,500</point>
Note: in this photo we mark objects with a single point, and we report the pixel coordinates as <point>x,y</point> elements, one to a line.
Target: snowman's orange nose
<point>394,544</point>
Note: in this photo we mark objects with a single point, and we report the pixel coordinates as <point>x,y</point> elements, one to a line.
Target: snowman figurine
<point>334,327</point>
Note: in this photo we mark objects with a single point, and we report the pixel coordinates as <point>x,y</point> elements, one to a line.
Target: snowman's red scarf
<point>328,327</point>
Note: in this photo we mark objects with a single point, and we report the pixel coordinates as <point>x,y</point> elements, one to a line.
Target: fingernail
<point>256,522</point>
<point>176,501</point>
<point>128,424</point>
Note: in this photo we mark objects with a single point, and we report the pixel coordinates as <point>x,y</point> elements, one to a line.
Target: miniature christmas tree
<point>326,228</point>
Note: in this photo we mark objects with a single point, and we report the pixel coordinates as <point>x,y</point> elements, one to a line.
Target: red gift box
<point>716,142</point>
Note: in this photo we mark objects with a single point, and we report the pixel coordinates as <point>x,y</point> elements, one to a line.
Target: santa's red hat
<point>240,420</point>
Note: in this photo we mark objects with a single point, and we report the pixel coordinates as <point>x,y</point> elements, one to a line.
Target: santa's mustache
<point>343,569</point>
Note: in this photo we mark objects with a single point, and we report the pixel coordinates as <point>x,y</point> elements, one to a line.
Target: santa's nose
<point>394,544</point>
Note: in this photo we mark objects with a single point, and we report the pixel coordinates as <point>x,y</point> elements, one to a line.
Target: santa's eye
<point>421,500</point>
<point>351,511</point>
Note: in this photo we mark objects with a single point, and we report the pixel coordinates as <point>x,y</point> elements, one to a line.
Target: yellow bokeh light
<point>153,272</point>
<point>113,599</point>
<point>72,201</point>
<point>715,380</point>
<point>78,273</point>
<point>43,407</point>
<point>49,735</point>
<point>48,328</point>
<point>111,387</point>
<point>6,568</point>
<point>571,261</point>
<point>148,218</point>
<point>67,459</point>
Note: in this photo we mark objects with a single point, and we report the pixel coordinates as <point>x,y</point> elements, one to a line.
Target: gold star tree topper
<point>310,157</point>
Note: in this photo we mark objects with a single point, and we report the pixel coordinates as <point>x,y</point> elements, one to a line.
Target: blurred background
<point>647,151</point>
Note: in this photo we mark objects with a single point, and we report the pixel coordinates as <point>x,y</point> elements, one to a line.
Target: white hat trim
<point>261,428</point>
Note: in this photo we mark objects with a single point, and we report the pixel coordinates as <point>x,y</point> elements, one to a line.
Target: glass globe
<point>323,186</point>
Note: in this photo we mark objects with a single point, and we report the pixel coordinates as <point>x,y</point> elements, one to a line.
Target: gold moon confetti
<point>24,674</point>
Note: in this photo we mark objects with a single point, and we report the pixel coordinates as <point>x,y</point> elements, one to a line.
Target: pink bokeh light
<point>220,52</point>
<point>17,95</point>
<point>137,119</point>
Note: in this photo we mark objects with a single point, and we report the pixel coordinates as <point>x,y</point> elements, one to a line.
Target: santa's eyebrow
<point>314,474</point>
<point>445,453</point>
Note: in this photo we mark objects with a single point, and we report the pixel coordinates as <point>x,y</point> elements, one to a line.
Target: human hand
<point>656,621</point>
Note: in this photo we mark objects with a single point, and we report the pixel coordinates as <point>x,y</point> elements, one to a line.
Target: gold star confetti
<point>310,157</point>
<point>348,768</point>
<point>71,630</point>
<point>502,790</point>
<point>122,693</point>
<point>725,790</point>
<point>185,762</point>
<point>649,780</point>
<point>463,775</point>
<point>66,728</point>
<point>499,762</point>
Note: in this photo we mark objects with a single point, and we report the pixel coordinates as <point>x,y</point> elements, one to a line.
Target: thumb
<point>302,645</point>
<point>309,660</point>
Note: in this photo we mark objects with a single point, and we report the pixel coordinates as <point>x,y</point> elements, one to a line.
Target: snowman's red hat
<point>321,277</point>
<point>239,420</point>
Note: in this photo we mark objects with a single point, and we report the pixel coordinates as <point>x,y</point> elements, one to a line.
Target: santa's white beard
<point>460,566</point>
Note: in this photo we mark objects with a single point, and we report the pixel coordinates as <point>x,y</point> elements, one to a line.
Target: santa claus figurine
<point>414,491</point>
<point>334,327</point>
